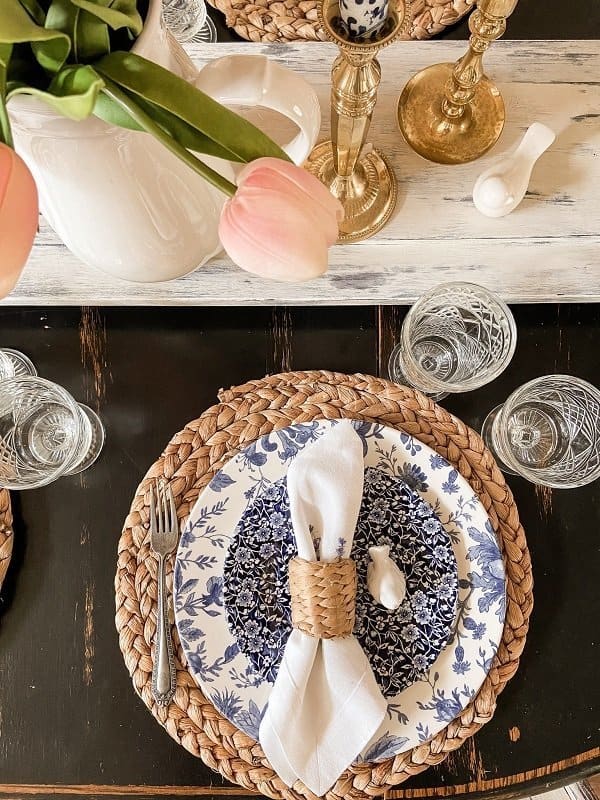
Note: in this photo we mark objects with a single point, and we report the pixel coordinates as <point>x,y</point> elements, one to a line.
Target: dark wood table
<point>70,722</point>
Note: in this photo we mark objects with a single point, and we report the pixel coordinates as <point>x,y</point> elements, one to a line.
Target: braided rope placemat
<point>6,533</point>
<point>290,20</point>
<point>189,462</point>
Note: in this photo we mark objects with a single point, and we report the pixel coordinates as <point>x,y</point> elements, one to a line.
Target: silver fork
<point>164,533</point>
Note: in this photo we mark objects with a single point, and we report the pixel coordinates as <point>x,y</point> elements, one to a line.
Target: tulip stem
<point>5,131</point>
<point>146,122</point>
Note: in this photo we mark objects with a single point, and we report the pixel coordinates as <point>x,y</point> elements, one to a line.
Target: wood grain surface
<point>545,251</point>
<point>70,722</point>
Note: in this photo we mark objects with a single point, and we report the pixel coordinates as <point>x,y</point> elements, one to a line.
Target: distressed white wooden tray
<point>548,250</point>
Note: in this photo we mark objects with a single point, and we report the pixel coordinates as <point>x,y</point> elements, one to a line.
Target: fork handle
<point>163,669</point>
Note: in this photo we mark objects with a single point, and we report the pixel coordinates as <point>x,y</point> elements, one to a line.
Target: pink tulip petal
<point>276,172</point>
<point>305,182</point>
<point>287,192</point>
<point>272,212</point>
<point>272,244</point>
<point>6,168</point>
<point>18,217</point>
<point>273,203</point>
<point>290,260</point>
<point>280,222</point>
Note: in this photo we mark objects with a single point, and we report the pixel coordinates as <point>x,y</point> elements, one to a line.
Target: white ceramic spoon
<point>500,189</point>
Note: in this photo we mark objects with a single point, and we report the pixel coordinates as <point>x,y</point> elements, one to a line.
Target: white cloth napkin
<point>325,705</point>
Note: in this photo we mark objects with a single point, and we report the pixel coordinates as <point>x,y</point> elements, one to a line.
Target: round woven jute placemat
<point>190,460</point>
<point>6,533</point>
<point>290,20</point>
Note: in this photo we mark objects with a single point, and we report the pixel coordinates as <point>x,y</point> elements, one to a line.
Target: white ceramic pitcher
<point>117,198</point>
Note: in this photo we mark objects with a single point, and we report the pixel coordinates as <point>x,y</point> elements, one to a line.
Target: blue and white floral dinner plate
<point>420,703</point>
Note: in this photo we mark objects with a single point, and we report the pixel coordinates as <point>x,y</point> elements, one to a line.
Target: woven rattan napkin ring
<point>323,597</point>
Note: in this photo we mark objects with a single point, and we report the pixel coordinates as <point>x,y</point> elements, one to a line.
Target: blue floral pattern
<point>401,645</point>
<point>229,678</point>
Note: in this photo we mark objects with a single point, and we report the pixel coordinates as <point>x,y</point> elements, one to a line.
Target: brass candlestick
<point>361,179</point>
<point>452,113</point>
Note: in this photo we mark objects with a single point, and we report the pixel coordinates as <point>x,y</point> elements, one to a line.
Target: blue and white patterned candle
<point>362,19</point>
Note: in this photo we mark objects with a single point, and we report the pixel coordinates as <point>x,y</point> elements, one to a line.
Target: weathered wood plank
<point>521,271</point>
<point>545,251</point>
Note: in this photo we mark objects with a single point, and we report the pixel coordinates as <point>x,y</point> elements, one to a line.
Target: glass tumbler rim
<point>437,385</point>
<point>199,22</point>
<point>500,424</point>
<point>5,361</point>
<point>73,406</point>
<point>560,376</point>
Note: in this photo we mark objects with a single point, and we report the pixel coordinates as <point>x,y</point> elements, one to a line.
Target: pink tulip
<point>280,222</point>
<point>18,217</point>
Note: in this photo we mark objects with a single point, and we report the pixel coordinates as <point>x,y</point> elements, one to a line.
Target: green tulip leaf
<point>88,34</point>
<point>93,39</point>
<point>51,47</point>
<point>72,92</point>
<point>5,54</point>
<point>111,112</point>
<point>116,14</point>
<point>62,16</point>
<point>149,82</point>
<point>120,97</point>
<point>5,131</point>
<point>35,11</point>
<point>190,138</point>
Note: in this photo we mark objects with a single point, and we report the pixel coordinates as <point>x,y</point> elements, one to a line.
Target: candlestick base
<point>436,136</point>
<point>368,195</point>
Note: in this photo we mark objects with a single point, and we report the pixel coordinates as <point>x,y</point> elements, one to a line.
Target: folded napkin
<point>325,705</point>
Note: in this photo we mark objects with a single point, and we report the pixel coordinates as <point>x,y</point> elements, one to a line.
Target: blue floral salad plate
<point>430,656</point>
<point>401,645</point>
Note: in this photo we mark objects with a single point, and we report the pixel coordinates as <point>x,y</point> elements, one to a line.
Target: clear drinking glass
<point>188,20</point>
<point>44,433</point>
<point>548,431</point>
<point>455,338</point>
<point>12,363</point>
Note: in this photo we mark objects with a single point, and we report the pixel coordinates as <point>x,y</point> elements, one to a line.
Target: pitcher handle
<point>255,80</point>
